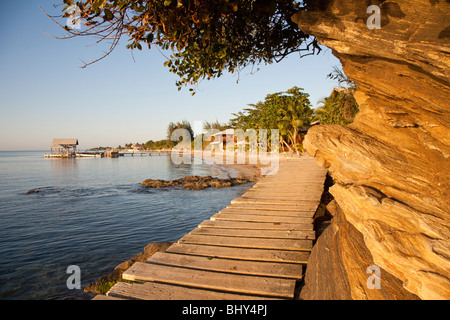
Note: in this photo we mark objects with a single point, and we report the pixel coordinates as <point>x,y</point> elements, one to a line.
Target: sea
<point>91,213</point>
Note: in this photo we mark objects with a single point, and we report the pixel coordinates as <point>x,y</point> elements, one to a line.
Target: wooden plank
<point>257,206</point>
<point>285,172</point>
<point>287,181</point>
<point>254,225</point>
<point>286,175</point>
<point>296,185</point>
<point>299,214</point>
<point>283,199</point>
<point>259,268</point>
<point>103,297</point>
<point>255,285</point>
<point>278,202</point>
<point>266,198</point>
<point>287,188</point>
<point>259,194</point>
<point>275,234</point>
<point>247,242</point>
<point>276,179</point>
<point>300,257</point>
<point>283,193</point>
<point>163,291</point>
<point>281,176</point>
<point>260,218</point>
<point>301,182</point>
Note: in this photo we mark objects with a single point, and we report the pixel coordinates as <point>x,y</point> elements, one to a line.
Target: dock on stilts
<point>255,248</point>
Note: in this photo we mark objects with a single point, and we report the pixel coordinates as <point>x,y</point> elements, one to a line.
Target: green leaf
<point>167,2</point>
<point>222,53</point>
<point>108,15</point>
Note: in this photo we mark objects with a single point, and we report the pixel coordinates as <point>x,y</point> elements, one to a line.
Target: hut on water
<point>63,148</point>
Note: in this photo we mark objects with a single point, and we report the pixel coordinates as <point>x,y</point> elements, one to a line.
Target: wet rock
<point>196,182</point>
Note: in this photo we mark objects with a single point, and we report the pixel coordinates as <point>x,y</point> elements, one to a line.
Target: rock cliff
<point>391,166</point>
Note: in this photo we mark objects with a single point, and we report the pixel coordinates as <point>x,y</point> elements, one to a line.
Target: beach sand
<point>249,167</point>
<point>253,167</point>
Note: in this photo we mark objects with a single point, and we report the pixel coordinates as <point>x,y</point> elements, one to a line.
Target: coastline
<point>235,169</point>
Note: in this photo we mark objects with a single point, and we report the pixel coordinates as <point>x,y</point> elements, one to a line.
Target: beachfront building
<point>221,138</point>
<point>63,148</point>
<point>137,146</point>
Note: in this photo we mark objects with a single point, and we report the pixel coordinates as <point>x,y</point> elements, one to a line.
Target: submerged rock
<point>196,182</point>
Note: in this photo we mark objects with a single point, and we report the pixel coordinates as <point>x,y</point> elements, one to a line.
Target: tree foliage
<point>206,37</point>
<point>215,125</point>
<point>179,125</point>
<point>160,144</point>
<point>289,111</point>
<point>341,106</point>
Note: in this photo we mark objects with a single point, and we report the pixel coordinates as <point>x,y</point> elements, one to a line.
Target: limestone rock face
<point>337,267</point>
<point>391,166</point>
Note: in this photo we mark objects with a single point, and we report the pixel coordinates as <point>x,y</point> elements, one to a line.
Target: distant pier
<point>106,153</point>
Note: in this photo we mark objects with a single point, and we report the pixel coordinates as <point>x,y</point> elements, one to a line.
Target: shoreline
<point>245,170</point>
<point>103,284</point>
<point>235,169</point>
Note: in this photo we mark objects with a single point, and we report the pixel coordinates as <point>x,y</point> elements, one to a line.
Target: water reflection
<point>64,170</point>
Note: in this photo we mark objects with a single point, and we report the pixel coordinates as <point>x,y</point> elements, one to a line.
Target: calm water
<point>92,213</point>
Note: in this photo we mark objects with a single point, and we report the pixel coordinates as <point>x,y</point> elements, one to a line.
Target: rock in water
<point>196,182</point>
<point>391,165</point>
<point>105,283</point>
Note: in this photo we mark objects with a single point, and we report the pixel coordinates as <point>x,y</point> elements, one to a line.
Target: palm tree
<point>295,113</point>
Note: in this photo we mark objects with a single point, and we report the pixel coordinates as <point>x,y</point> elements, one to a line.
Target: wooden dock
<point>256,248</point>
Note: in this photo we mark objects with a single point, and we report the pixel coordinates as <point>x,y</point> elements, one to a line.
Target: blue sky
<point>44,94</point>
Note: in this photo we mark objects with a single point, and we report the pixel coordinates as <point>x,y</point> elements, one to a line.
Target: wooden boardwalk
<point>256,248</point>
